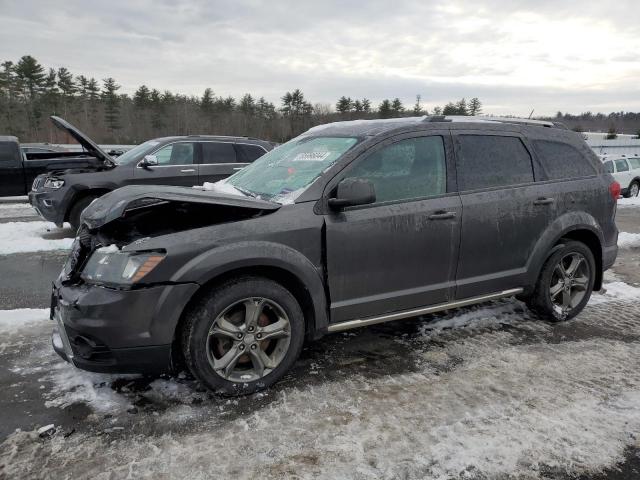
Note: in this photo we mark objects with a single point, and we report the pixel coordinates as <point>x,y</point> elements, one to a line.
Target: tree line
<point>30,93</point>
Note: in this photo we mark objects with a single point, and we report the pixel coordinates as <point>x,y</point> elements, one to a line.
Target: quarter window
<point>218,152</point>
<point>411,168</point>
<point>561,160</point>
<point>608,166</point>
<point>176,154</point>
<point>622,165</point>
<point>486,161</point>
<point>634,162</point>
<point>248,153</point>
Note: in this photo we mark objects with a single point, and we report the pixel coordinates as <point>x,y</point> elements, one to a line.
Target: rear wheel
<point>565,283</point>
<point>243,336</point>
<point>78,207</point>
<point>634,189</point>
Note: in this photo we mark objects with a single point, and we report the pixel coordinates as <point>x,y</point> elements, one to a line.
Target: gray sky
<point>516,55</point>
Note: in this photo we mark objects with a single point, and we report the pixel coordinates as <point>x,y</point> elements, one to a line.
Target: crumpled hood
<point>115,204</point>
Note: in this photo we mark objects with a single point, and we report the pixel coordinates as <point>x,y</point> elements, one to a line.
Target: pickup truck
<point>18,169</point>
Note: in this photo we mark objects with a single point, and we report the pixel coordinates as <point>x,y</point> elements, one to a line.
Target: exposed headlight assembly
<point>110,267</point>
<point>54,183</point>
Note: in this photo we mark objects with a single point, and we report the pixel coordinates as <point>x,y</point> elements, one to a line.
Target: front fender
<point>560,227</point>
<point>223,259</point>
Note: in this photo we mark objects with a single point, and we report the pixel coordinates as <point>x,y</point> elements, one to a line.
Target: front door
<point>12,181</point>
<point>399,252</point>
<point>177,165</point>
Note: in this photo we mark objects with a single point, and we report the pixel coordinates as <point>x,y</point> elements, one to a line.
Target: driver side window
<point>411,168</point>
<point>176,154</point>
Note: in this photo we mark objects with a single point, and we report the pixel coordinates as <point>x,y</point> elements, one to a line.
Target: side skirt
<point>363,322</point>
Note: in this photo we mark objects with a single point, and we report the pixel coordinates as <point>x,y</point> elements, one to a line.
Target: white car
<point>626,171</point>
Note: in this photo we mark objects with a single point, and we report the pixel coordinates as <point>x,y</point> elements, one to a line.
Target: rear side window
<point>7,152</point>
<point>486,161</point>
<point>622,166</point>
<point>218,152</point>
<point>248,153</point>
<point>608,167</point>
<point>561,160</point>
<point>634,162</point>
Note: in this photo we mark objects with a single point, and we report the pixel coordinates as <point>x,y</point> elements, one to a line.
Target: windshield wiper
<point>248,193</point>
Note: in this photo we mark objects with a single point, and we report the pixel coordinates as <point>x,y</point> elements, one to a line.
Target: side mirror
<point>352,192</point>
<point>149,161</point>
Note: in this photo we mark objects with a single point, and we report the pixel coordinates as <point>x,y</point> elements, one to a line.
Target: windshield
<point>282,174</point>
<point>136,153</point>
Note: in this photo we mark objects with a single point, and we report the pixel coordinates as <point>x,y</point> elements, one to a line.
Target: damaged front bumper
<point>118,331</point>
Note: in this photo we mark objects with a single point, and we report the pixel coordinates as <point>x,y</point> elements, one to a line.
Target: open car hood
<point>127,201</point>
<point>83,140</point>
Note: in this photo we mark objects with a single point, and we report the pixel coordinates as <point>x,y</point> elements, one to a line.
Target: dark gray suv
<point>347,225</point>
<point>61,196</point>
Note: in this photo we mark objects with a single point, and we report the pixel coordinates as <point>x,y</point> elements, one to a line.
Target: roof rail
<point>490,119</point>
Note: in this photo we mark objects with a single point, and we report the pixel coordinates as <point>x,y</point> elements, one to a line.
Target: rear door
<point>12,181</point>
<point>399,252</point>
<point>504,211</point>
<point>624,175</point>
<point>177,165</point>
<point>219,160</point>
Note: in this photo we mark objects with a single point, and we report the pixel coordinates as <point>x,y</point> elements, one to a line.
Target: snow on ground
<point>615,291</point>
<point>628,240</point>
<point>629,202</point>
<point>503,408</point>
<point>18,237</point>
<point>16,206</point>
<point>14,320</point>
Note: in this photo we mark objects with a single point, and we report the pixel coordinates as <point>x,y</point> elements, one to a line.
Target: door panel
<point>391,257</point>
<point>12,181</point>
<point>399,253</point>
<point>219,161</point>
<point>177,165</point>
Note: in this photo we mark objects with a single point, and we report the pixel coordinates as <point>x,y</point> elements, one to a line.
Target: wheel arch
<point>578,226</point>
<point>82,192</point>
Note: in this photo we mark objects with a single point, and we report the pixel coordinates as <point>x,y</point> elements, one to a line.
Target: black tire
<point>77,208</point>
<point>636,184</point>
<point>196,333</point>
<point>540,301</point>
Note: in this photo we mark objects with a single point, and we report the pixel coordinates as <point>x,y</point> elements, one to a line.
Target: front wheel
<point>634,189</point>
<point>243,336</point>
<point>565,283</point>
<point>77,209</point>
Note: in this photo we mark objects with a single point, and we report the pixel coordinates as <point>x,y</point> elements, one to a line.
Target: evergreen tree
<point>384,109</point>
<point>437,111</point>
<point>357,106</point>
<point>247,105</point>
<point>475,106</point>
<point>30,76</point>
<point>266,110</point>
<point>344,105</point>
<point>450,109</point>
<point>461,107</point>
<point>206,102</point>
<point>396,107</point>
<point>417,108</point>
<point>612,133</point>
<point>366,105</point>
<point>68,88</point>
<point>142,97</point>
<point>111,105</point>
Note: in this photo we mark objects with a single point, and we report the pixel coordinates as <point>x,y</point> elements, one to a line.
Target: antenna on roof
<point>531,114</point>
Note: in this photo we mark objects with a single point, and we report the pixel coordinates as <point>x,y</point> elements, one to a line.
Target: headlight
<point>54,183</point>
<point>121,268</point>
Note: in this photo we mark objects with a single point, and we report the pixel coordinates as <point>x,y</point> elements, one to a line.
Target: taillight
<point>614,190</point>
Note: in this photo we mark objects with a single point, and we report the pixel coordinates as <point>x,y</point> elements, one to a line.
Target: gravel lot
<point>486,392</point>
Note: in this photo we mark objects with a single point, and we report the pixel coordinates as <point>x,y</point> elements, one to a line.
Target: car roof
<point>376,127</point>
<point>8,138</point>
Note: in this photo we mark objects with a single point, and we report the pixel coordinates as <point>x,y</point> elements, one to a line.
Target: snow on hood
<point>113,205</point>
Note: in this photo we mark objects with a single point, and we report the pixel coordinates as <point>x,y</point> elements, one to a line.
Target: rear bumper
<point>609,255</point>
<point>117,331</point>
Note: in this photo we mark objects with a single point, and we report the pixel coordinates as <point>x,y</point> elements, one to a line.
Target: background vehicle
<point>19,167</point>
<point>626,170</point>
<point>61,196</point>
<point>350,224</point>
<point>36,148</point>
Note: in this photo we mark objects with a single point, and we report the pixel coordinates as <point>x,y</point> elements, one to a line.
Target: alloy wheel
<point>249,339</point>
<point>569,283</point>
<point>634,190</point>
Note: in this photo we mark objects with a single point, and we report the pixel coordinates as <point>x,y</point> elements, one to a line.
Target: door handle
<point>188,170</point>
<point>544,201</point>
<point>442,215</point>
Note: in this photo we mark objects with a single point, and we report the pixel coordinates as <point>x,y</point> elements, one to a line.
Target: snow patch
<point>221,187</point>
<point>20,237</point>
<point>615,291</point>
<point>13,320</point>
<point>628,240</point>
<point>113,248</point>
<point>629,202</point>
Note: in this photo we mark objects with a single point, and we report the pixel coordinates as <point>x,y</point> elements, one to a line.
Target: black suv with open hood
<point>347,225</point>
<point>62,195</point>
